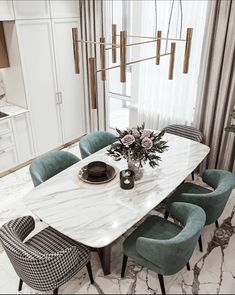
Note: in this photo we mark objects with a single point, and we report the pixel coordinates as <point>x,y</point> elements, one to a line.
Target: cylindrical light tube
<point>123,35</point>
<point>187,50</point>
<point>114,42</point>
<point>102,58</point>
<point>172,61</point>
<point>75,50</point>
<point>158,53</point>
<point>92,82</point>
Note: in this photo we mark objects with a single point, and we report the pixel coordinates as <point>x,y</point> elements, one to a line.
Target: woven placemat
<point>84,184</point>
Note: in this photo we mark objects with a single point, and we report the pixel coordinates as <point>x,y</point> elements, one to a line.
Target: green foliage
<point>138,150</point>
<point>231,128</point>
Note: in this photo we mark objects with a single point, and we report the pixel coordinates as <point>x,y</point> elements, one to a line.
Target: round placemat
<point>83,184</point>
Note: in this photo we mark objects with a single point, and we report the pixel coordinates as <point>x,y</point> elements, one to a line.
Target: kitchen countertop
<point>11,110</point>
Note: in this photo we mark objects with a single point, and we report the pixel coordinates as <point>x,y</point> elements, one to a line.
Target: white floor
<point>212,272</point>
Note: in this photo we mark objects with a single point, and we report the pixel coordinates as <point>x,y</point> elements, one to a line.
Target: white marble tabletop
<point>98,217</point>
<point>11,110</point>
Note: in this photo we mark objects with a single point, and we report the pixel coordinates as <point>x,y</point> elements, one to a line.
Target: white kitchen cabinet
<point>31,9</point>
<point>23,137</point>
<point>6,10</point>
<point>70,86</point>
<point>37,56</point>
<point>64,8</point>
<point>5,126</point>
<point>8,159</point>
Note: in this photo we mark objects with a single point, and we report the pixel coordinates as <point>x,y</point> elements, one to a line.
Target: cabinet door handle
<point>60,98</point>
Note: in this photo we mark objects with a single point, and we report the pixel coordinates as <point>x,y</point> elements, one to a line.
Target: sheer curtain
<point>161,101</point>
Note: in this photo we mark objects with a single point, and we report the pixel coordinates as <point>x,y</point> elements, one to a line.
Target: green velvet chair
<point>95,141</point>
<point>211,201</point>
<point>50,164</point>
<point>162,246</point>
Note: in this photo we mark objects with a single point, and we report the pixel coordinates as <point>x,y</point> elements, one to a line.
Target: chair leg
<point>166,215</point>
<point>200,244</point>
<point>89,270</point>
<point>20,285</point>
<point>193,176</point>
<point>217,224</point>
<point>188,266</point>
<point>161,281</point>
<point>124,262</point>
<point>55,292</point>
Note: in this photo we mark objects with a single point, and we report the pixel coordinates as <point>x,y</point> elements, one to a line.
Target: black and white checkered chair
<point>47,260</point>
<point>186,132</point>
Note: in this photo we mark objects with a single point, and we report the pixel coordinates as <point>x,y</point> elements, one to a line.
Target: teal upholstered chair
<point>50,164</point>
<point>95,141</point>
<point>163,246</point>
<point>211,201</point>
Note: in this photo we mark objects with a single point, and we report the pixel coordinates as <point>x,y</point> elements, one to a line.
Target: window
<point>148,95</point>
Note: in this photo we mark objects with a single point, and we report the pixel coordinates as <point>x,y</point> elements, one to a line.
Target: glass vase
<point>139,171</point>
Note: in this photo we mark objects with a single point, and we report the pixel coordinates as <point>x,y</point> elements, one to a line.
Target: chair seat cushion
<point>153,227</point>
<point>186,187</point>
<point>49,241</point>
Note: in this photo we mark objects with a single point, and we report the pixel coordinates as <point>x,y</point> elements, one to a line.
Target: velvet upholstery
<point>163,246</point>
<point>95,141</point>
<point>50,164</point>
<point>211,201</point>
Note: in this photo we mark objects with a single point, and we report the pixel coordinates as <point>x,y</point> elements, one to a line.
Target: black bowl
<point>97,169</point>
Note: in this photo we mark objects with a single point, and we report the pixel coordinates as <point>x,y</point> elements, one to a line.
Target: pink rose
<point>135,133</point>
<point>145,133</point>
<point>128,139</point>
<point>147,143</point>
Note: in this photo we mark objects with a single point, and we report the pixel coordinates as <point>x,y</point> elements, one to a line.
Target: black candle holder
<point>127,180</point>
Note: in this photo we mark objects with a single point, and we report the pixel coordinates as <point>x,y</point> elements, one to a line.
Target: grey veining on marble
<point>97,218</point>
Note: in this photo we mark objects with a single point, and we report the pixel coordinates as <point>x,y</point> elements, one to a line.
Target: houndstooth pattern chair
<point>47,260</point>
<point>188,132</point>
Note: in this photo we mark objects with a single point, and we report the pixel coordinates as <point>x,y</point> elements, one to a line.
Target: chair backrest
<point>50,164</point>
<point>213,203</point>
<point>21,255</point>
<point>95,141</point>
<point>172,255</point>
<point>185,131</point>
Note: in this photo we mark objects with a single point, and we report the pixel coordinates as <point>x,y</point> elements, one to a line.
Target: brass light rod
<point>162,38</point>
<point>94,42</point>
<point>132,62</point>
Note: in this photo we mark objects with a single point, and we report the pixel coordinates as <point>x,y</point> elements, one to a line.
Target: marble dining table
<point>98,215</point>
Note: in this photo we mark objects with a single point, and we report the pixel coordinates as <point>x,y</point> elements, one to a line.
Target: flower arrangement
<point>138,145</point>
<point>231,128</point>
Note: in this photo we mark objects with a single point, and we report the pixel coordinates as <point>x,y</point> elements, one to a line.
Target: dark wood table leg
<point>105,258</point>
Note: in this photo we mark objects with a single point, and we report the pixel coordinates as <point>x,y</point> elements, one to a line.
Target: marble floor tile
<point>212,272</point>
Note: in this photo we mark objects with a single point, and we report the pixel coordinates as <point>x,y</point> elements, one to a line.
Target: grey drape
<point>216,88</point>
<point>92,28</point>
